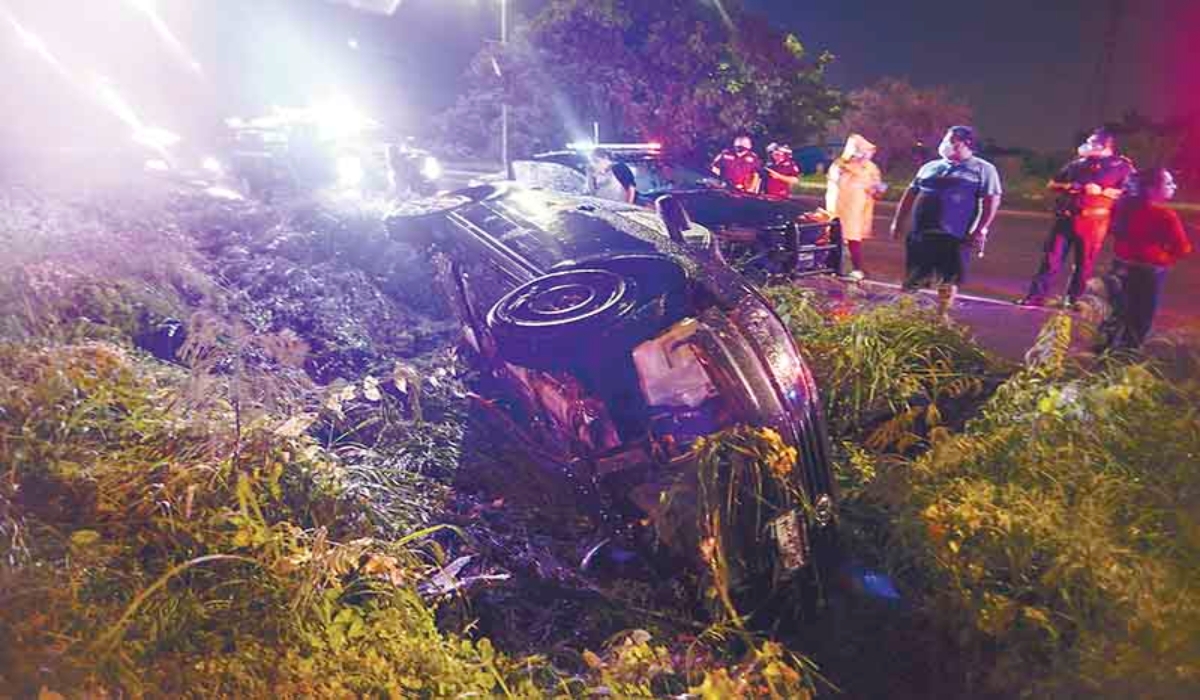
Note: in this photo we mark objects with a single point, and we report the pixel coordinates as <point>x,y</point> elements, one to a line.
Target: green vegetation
<point>1054,536</point>
<point>226,526</point>
<point>251,522</point>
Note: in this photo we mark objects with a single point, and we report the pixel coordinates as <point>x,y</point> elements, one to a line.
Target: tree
<point>904,121</point>
<point>671,70</point>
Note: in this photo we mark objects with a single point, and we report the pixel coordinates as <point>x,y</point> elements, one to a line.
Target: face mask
<point>945,149</point>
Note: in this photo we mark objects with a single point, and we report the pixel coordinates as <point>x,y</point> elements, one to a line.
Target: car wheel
<point>553,318</point>
<point>579,316</point>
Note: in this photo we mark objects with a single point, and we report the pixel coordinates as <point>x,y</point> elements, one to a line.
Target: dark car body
<point>768,234</point>
<point>816,158</point>
<point>614,349</point>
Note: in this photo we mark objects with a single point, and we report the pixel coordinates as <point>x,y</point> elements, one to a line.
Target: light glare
<point>155,137</point>
<point>350,171</point>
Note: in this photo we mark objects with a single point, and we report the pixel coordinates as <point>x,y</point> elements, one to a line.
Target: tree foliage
<point>673,70</point>
<point>905,121</point>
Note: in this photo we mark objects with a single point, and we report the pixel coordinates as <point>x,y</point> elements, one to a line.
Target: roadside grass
<point>225,526</point>
<point>1054,533</point>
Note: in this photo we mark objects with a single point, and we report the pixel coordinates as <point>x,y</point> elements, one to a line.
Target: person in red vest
<point>739,166</point>
<point>1087,188</point>
<point>1148,239</point>
<point>782,171</point>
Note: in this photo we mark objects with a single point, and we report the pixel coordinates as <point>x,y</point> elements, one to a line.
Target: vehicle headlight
<point>349,171</point>
<point>431,169</point>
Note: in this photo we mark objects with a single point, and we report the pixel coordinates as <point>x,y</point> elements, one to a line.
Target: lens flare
<point>155,137</point>
<point>115,103</point>
<point>36,44</point>
<point>149,8</point>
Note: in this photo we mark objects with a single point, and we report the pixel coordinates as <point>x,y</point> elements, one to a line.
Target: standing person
<point>854,183</point>
<point>1088,187</point>
<point>739,166</point>
<point>611,179</point>
<point>782,171</point>
<point>953,201</point>
<point>1148,240</point>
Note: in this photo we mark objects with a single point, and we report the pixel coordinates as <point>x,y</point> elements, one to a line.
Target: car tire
<point>581,316</point>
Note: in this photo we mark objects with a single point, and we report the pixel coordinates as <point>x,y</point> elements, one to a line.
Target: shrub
<point>1059,534</point>
<point>139,557</point>
<point>887,373</point>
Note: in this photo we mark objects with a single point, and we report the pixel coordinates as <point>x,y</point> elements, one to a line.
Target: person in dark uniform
<point>612,179</point>
<point>953,201</point>
<point>739,166</point>
<point>1088,187</point>
<point>782,171</point>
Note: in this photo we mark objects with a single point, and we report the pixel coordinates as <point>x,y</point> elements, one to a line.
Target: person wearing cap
<point>853,185</point>
<point>952,201</point>
<point>739,166</point>
<point>782,171</point>
<point>1087,188</point>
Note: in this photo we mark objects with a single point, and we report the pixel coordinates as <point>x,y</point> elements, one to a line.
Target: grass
<point>234,528</point>
<point>1053,532</point>
<point>228,527</point>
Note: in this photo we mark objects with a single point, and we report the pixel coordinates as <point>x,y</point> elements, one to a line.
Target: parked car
<point>817,158</point>
<point>611,343</point>
<point>760,235</point>
<point>290,150</point>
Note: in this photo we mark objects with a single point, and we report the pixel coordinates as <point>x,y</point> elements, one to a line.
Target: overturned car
<point>613,343</point>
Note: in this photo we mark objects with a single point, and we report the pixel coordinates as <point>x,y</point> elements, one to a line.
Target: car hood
<point>719,208</point>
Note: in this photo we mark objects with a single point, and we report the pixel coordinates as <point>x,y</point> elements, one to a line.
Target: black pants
<point>1064,241</point>
<point>934,257</point>
<point>1133,291</point>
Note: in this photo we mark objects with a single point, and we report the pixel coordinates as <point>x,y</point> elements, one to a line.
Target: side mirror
<point>673,216</point>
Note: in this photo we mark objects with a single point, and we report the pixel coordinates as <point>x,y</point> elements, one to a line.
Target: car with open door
<point>762,236</point>
<point>612,339</point>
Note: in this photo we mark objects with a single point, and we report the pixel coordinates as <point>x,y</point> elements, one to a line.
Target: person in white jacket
<point>854,183</point>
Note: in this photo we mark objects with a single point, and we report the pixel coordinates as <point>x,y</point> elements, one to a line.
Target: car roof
<point>619,151</point>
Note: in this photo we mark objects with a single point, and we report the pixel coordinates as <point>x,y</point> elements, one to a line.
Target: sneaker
<point>856,275</point>
<point>1030,301</point>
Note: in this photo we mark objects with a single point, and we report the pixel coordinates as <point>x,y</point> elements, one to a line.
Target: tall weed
<point>1059,533</point>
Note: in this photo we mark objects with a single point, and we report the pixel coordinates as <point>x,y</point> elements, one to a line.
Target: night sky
<point>1024,65</point>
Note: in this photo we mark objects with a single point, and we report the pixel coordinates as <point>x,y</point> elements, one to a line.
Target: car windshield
<point>653,176</point>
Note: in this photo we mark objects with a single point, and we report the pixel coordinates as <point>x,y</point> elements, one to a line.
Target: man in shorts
<point>953,201</point>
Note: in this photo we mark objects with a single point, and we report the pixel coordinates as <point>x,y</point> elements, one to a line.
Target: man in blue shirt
<point>952,201</point>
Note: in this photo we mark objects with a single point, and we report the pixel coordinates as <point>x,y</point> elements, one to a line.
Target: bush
<point>1058,536</point>
<point>888,373</point>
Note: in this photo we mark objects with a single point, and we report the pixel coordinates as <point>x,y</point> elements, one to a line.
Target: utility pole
<point>504,88</point>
